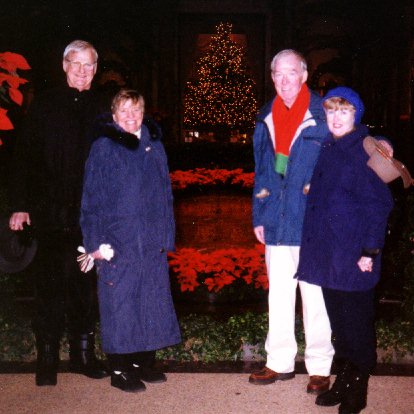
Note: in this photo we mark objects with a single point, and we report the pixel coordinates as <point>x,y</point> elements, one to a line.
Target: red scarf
<point>286,122</point>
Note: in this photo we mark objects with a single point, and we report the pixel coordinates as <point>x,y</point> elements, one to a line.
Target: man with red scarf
<point>287,138</point>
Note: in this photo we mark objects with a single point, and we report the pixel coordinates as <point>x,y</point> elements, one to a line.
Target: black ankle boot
<point>83,359</point>
<point>355,399</point>
<point>339,388</point>
<point>47,361</point>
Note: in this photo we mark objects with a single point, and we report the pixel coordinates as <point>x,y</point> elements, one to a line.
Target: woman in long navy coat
<point>127,203</point>
<point>343,234</point>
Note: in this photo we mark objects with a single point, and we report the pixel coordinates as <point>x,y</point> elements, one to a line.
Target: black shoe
<point>142,366</point>
<point>127,382</point>
<point>47,362</point>
<point>82,357</point>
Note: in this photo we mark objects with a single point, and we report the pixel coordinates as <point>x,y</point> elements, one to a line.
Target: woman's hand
<point>86,261</point>
<point>105,252</point>
<point>365,264</point>
<point>96,255</point>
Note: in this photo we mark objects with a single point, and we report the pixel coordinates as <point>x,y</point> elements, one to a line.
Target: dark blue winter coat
<point>279,202</point>
<point>346,217</point>
<point>127,202</point>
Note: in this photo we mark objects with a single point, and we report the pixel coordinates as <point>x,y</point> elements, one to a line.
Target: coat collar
<point>118,135</point>
<point>360,132</point>
<point>315,108</point>
<point>106,127</point>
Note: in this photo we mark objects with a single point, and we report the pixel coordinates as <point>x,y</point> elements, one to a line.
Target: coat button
<point>162,250</point>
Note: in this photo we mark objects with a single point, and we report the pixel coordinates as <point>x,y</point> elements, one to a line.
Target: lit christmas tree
<point>222,97</point>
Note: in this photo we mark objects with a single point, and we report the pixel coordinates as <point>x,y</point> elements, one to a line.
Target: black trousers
<point>65,297</point>
<point>352,318</point>
<point>124,362</point>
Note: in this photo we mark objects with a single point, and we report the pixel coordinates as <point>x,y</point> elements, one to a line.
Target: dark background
<point>365,44</point>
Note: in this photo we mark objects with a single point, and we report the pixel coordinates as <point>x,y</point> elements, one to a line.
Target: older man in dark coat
<point>45,193</point>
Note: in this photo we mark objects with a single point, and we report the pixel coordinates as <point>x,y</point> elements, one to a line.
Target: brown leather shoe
<point>318,384</point>
<point>267,376</point>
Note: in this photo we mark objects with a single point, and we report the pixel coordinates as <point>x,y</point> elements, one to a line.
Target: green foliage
<point>205,338</point>
<point>16,339</point>
<point>395,339</point>
<point>250,328</point>
<point>209,340</point>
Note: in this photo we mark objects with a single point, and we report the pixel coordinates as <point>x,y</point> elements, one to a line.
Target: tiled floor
<point>189,393</point>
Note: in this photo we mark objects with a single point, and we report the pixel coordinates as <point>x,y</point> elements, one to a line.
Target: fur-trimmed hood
<point>105,126</point>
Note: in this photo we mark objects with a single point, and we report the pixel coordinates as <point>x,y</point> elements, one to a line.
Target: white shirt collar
<point>138,133</point>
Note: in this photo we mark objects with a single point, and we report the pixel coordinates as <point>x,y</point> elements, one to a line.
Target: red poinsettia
<point>10,82</point>
<point>203,176</point>
<point>218,268</point>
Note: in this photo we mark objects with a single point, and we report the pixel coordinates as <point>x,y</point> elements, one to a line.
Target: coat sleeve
<point>94,196</point>
<point>170,212</point>
<point>26,159</point>
<point>261,188</point>
<point>170,220</point>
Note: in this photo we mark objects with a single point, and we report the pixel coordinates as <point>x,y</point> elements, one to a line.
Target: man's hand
<point>18,219</point>
<point>259,233</point>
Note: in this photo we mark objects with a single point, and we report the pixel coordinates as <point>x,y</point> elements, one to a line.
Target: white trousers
<point>281,346</point>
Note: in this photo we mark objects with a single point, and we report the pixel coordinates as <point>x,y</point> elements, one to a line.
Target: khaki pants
<point>281,346</point>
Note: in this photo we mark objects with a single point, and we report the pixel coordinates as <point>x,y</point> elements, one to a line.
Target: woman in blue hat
<point>343,234</point>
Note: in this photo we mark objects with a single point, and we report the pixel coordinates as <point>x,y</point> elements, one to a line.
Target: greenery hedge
<point>207,339</point>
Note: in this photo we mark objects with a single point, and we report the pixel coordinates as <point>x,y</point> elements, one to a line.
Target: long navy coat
<point>346,216</point>
<point>127,202</point>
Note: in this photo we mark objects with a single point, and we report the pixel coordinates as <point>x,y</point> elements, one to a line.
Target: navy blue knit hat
<point>351,96</point>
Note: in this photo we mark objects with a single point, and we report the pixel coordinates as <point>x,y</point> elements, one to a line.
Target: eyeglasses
<point>78,65</point>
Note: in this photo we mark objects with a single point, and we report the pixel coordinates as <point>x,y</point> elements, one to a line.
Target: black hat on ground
<point>17,248</point>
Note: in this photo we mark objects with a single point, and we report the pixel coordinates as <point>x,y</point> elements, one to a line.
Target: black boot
<point>47,361</point>
<point>339,388</point>
<point>122,376</point>
<point>83,359</point>
<point>143,365</point>
<point>355,399</point>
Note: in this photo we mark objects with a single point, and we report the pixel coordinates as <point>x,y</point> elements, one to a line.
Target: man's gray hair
<point>78,46</point>
<point>287,52</point>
